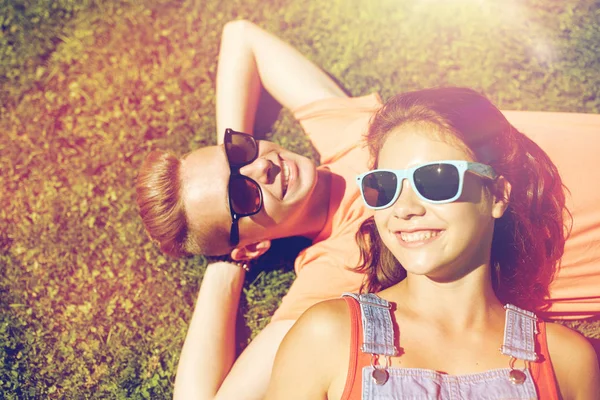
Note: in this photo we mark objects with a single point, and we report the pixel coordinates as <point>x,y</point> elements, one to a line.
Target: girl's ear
<point>502,190</point>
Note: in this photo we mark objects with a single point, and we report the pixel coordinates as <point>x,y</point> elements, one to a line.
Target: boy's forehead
<point>205,174</point>
<point>206,160</point>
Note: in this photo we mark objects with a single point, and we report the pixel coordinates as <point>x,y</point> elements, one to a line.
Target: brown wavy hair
<point>529,239</point>
<point>159,190</point>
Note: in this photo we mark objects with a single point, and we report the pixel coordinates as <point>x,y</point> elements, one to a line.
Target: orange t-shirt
<point>336,128</point>
<point>573,142</point>
<point>324,270</point>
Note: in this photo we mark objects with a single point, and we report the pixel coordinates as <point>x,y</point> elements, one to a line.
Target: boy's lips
<point>285,177</point>
<point>288,170</point>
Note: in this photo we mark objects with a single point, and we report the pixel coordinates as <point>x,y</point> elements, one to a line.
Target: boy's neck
<point>317,209</point>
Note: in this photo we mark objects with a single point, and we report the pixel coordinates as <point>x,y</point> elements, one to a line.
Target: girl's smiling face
<point>442,241</point>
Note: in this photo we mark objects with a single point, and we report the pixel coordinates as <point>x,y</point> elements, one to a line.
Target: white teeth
<point>286,176</point>
<point>418,236</point>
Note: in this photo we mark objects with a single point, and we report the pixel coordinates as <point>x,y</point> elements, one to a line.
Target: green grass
<point>89,307</point>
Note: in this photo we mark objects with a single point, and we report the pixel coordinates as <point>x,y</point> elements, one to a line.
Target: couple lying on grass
<point>432,200</point>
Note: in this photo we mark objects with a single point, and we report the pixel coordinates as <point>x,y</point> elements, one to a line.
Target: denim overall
<point>379,381</point>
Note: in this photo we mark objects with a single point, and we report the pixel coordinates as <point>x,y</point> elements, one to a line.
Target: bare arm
<point>575,363</point>
<point>250,375</point>
<point>205,366</point>
<point>208,350</point>
<point>251,58</point>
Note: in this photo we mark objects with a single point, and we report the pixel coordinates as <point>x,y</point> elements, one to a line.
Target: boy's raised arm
<point>251,58</point>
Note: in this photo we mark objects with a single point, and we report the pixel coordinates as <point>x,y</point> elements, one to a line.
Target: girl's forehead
<point>424,141</point>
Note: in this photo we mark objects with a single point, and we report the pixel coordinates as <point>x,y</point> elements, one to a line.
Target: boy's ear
<point>501,197</point>
<point>250,251</point>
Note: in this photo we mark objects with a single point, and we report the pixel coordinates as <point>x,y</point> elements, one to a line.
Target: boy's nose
<point>259,170</point>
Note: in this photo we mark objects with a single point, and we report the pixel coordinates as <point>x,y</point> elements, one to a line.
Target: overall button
<point>380,376</point>
<point>517,377</point>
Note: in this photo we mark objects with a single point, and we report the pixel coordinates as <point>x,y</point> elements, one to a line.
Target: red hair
<point>159,189</point>
<point>529,239</point>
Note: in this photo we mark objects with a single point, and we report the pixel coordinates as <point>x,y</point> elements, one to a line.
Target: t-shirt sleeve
<point>337,123</point>
<point>325,275</point>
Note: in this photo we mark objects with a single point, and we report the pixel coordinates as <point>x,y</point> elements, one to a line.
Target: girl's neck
<point>467,303</point>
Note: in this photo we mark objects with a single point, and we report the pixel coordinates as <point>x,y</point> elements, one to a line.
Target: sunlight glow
<point>507,15</point>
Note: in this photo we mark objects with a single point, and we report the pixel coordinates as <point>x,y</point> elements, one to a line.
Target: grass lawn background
<point>88,307</point>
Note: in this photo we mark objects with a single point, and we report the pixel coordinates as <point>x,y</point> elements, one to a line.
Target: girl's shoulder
<point>565,343</point>
<point>327,318</point>
<point>312,352</point>
<point>574,361</point>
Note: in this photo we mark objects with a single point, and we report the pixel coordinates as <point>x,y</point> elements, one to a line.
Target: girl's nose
<point>408,204</point>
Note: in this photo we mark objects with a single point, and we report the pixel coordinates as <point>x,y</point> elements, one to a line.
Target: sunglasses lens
<point>437,182</point>
<point>379,188</point>
<point>241,149</point>
<point>245,195</point>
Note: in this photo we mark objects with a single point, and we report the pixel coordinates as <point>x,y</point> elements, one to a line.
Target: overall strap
<point>520,329</point>
<point>378,330</point>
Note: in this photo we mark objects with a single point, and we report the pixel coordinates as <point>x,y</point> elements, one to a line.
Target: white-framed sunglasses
<point>436,182</point>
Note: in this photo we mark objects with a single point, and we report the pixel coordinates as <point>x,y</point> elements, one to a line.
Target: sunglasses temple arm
<point>234,235</point>
<point>482,170</point>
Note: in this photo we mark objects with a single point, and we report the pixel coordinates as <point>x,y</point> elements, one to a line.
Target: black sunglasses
<point>245,195</point>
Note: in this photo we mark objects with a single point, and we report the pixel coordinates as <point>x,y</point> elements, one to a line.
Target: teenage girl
<point>467,233</point>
